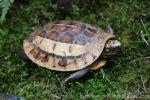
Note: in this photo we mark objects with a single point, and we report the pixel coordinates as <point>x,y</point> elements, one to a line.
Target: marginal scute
<point>49,26</point>
<point>41,56</point>
<point>88,57</point>
<point>62,62</point>
<point>80,62</point>
<point>34,52</point>
<point>51,61</point>
<point>66,45</point>
<point>94,50</point>
<point>37,41</point>
<point>42,33</point>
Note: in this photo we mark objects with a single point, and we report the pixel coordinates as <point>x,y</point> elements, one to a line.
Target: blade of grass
<point>142,33</point>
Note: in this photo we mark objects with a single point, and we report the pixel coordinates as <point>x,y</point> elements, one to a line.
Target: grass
<point>127,76</point>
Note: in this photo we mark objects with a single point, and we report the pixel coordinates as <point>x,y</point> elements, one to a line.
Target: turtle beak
<point>113,44</point>
<point>116,44</point>
<point>116,47</point>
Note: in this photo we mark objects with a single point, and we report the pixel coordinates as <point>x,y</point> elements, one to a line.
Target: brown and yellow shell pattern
<point>66,45</point>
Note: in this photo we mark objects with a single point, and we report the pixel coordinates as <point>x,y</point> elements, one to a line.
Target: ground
<point>126,76</point>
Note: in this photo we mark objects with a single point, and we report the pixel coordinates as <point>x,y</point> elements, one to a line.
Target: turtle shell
<point>66,45</point>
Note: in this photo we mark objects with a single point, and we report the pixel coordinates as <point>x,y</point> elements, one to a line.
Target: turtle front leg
<point>99,64</point>
<point>77,76</point>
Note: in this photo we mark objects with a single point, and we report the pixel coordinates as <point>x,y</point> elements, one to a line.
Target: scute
<point>66,45</point>
<point>69,32</point>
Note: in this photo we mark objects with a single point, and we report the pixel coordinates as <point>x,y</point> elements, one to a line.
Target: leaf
<point>4,7</point>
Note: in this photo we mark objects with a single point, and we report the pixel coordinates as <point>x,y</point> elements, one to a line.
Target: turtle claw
<point>77,76</point>
<point>23,56</point>
<point>109,29</point>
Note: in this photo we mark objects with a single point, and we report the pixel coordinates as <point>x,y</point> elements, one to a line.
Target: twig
<point>144,26</point>
<point>143,37</point>
<point>143,84</point>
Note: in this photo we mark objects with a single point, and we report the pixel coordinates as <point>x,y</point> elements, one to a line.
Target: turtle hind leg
<point>77,76</point>
<point>23,56</point>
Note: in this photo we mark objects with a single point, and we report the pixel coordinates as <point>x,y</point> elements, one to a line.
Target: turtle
<point>69,45</point>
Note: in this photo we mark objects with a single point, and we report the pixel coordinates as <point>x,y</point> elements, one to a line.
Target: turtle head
<point>111,48</point>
